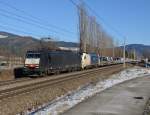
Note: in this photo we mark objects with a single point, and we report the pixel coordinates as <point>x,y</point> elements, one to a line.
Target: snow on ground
<point>68,101</point>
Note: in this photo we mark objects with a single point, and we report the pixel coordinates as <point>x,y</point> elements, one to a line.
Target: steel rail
<point>46,83</point>
<point>2,83</point>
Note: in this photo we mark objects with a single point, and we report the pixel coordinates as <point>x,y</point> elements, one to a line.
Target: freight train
<point>45,62</point>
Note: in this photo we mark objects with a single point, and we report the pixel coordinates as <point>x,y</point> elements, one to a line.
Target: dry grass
<point>6,75</point>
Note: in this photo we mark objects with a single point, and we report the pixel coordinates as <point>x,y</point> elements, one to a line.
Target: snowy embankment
<point>68,101</point>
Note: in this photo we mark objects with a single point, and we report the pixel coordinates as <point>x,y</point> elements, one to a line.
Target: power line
<point>22,28</point>
<point>21,19</point>
<point>35,19</point>
<point>18,30</point>
<point>24,21</point>
<point>74,3</point>
<point>123,36</point>
<point>97,15</point>
<point>102,19</point>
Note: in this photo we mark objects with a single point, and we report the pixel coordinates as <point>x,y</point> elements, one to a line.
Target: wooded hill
<point>12,44</point>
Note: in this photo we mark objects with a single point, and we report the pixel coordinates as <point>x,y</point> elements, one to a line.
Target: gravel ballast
<point>32,100</point>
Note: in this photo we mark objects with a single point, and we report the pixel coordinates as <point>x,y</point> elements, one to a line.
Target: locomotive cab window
<point>33,55</point>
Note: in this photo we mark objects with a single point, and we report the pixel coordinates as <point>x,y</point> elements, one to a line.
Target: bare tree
<point>92,36</point>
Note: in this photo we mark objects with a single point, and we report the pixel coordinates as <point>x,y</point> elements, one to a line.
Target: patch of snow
<point>2,36</point>
<point>68,101</point>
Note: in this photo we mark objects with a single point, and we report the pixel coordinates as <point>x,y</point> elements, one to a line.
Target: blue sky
<point>131,18</point>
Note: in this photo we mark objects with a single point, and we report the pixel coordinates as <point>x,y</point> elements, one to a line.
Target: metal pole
<point>134,55</point>
<point>124,53</point>
<point>113,51</point>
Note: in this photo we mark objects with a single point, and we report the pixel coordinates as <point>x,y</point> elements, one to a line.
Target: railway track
<point>48,81</point>
<point>24,79</point>
<point>19,80</point>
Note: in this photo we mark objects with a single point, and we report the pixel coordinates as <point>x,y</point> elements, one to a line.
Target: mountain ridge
<point>17,45</point>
